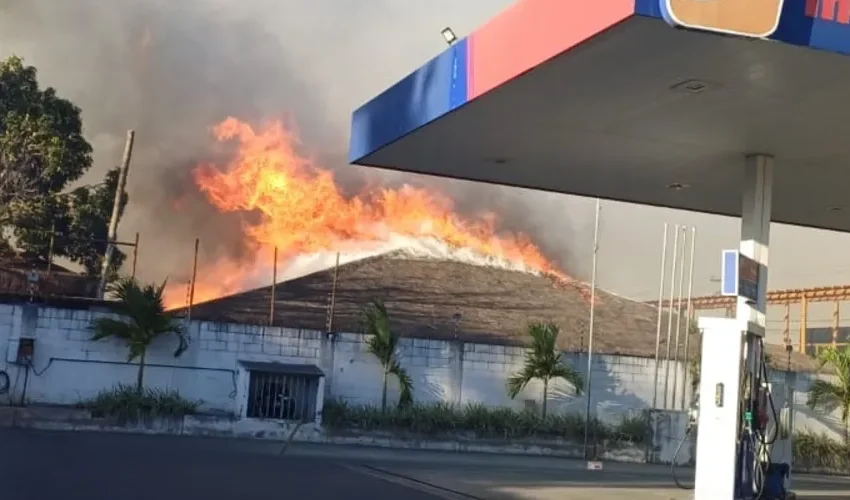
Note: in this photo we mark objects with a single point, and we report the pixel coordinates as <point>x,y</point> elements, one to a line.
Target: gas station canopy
<point>603,98</point>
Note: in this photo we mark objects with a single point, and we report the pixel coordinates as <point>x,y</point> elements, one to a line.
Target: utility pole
<point>116,213</point>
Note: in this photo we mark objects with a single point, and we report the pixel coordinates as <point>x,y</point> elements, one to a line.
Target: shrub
<point>479,420</point>
<point>821,451</point>
<point>126,403</point>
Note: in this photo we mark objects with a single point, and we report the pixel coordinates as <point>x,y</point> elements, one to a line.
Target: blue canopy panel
<point>531,32</point>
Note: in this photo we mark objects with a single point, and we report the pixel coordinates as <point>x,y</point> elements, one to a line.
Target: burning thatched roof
<point>445,299</point>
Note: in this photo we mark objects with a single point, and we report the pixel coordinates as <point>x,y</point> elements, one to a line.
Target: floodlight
<point>449,35</point>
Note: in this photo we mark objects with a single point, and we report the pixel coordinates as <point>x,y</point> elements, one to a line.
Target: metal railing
<point>281,396</point>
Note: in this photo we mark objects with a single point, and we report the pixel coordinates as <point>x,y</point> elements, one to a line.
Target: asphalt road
<point>80,466</point>
<point>41,465</point>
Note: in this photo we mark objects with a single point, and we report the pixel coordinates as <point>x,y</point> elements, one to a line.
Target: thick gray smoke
<point>170,69</point>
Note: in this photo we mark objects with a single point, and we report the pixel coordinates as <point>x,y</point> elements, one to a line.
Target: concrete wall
<point>68,367</point>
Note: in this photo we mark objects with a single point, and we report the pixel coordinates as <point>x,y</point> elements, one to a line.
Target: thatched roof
<point>58,281</point>
<point>444,299</point>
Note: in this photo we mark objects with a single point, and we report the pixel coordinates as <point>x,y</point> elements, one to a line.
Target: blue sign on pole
<point>739,276</point>
<point>729,273</point>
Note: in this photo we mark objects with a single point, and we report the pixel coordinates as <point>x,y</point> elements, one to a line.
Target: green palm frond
<point>102,328</point>
<point>517,382</point>
<point>382,343</point>
<point>543,361</point>
<point>826,395</point>
<point>142,318</point>
<point>831,395</point>
<point>376,325</point>
<point>405,384</point>
<point>570,375</point>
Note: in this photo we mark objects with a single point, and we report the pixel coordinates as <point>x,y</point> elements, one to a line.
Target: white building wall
<point>68,368</point>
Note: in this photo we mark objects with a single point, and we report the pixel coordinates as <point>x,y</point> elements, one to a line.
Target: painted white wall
<point>68,367</point>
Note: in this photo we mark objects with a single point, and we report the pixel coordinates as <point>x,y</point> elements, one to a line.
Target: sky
<point>170,69</point>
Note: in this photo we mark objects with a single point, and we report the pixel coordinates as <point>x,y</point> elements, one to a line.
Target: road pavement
<point>41,465</point>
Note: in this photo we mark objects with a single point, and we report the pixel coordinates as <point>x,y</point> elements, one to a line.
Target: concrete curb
<point>72,419</point>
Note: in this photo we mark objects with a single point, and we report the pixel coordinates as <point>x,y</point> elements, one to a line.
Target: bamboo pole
<point>332,304</point>
<point>786,321</point>
<point>804,310</point>
<point>135,255</point>
<point>116,212</point>
<point>274,288</point>
<point>50,248</point>
<point>835,319</point>
<point>192,283</point>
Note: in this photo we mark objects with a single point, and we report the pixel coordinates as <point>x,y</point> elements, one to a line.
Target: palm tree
<point>142,320</point>
<point>543,361</point>
<point>382,343</point>
<point>829,396</point>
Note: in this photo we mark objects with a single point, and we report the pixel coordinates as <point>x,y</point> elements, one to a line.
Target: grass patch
<point>481,421</point>
<point>126,404</point>
<point>812,449</point>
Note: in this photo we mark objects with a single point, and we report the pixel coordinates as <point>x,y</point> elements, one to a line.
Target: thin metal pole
<point>679,318</point>
<point>192,283</point>
<point>135,255</point>
<point>658,321</point>
<point>690,313</point>
<point>274,288</point>
<point>670,314</point>
<point>590,327</point>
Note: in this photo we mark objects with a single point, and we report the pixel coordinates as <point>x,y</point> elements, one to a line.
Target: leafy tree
<point>80,220</point>
<point>142,320</point>
<point>830,396</point>
<point>42,151</point>
<point>543,361</point>
<point>383,343</point>
<point>42,147</point>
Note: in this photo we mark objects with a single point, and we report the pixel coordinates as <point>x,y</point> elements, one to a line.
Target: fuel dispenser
<point>737,417</point>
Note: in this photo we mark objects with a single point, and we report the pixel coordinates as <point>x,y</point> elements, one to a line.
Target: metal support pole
<point>679,318</point>
<point>590,329</point>
<point>660,315</point>
<point>274,288</point>
<point>670,314</point>
<point>690,314</point>
<point>116,212</point>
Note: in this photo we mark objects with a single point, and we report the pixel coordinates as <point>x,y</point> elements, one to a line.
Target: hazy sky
<point>170,68</point>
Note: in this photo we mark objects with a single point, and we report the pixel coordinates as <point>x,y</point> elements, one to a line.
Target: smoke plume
<point>170,69</point>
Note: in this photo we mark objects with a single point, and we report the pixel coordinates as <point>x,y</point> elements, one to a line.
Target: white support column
<point>727,344</point>
<point>755,230</point>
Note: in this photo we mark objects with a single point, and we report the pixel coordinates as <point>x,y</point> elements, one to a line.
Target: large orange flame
<point>301,210</point>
